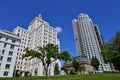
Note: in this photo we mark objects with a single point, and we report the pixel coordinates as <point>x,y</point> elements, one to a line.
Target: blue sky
<point>104,13</point>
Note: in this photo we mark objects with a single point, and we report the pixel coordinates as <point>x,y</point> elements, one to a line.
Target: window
<point>0,64</point>
<point>13,41</point>
<point>6,39</point>
<point>5,45</point>
<point>18,53</point>
<point>0,37</point>
<point>9,59</point>
<point>21,67</point>
<point>3,51</point>
<point>18,34</point>
<point>25,63</point>
<point>7,66</point>
<point>12,47</point>
<point>20,58</point>
<point>25,59</point>
<point>19,62</point>
<point>1,58</point>
<point>10,53</point>
<point>5,73</point>
<point>16,57</point>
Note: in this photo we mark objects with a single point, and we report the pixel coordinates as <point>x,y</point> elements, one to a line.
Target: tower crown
<point>83,15</point>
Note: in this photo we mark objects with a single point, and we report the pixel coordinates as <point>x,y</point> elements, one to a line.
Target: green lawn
<point>102,76</point>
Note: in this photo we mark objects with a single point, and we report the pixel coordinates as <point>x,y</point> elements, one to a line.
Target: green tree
<point>47,54</point>
<point>56,69</point>
<point>106,53</point>
<point>65,56</point>
<point>78,68</point>
<point>95,63</point>
<point>111,51</point>
<point>115,48</point>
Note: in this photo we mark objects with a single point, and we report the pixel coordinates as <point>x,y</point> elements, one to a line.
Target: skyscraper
<point>86,39</point>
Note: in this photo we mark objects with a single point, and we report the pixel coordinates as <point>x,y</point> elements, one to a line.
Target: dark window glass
<point>1,58</point>
<point>9,59</point>
<point>13,41</point>
<point>6,39</point>
<point>12,47</point>
<point>17,53</point>
<point>7,66</point>
<point>5,73</point>
<point>18,34</point>
<point>10,53</point>
<point>0,37</point>
<point>0,64</point>
<point>5,45</point>
<point>19,62</point>
<point>3,51</point>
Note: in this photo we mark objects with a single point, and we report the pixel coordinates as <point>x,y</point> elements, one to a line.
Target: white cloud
<point>59,29</point>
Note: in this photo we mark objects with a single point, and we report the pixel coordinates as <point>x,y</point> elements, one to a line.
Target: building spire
<point>40,16</point>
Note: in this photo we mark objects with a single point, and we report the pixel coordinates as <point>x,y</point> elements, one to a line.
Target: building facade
<point>22,65</point>
<point>39,33</point>
<point>9,44</point>
<point>86,39</point>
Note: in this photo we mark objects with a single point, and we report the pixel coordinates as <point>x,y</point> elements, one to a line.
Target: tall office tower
<point>41,33</point>
<point>22,65</point>
<point>9,43</point>
<point>87,43</point>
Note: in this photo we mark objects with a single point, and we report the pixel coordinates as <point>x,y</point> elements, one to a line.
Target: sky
<point>59,13</point>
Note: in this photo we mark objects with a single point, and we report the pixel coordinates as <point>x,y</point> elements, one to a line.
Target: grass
<point>102,76</point>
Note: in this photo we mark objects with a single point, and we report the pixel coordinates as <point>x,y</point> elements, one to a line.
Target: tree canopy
<point>76,66</point>
<point>111,51</point>
<point>106,52</point>
<point>95,63</point>
<point>47,54</point>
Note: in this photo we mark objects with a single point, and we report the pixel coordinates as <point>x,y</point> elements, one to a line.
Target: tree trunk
<point>46,70</point>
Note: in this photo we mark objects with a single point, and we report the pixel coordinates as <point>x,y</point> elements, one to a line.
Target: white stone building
<point>39,33</point>
<point>9,44</point>
<point>22,65</point>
